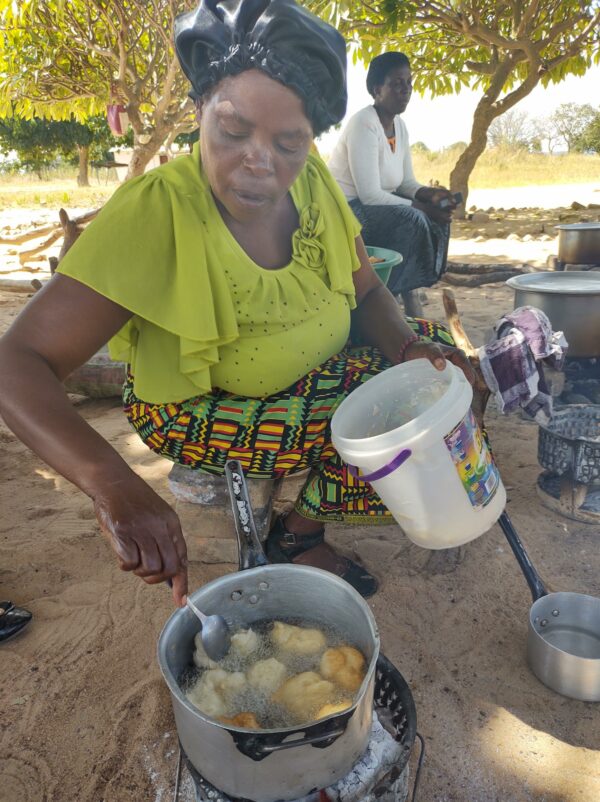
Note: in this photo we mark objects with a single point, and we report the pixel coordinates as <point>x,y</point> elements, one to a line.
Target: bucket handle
<point>391,466</point>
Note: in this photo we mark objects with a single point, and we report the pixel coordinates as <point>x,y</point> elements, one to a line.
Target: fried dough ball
<point>247,720</point>
<point>245,642</point>
<point>267,675</point>
<point>338,707</point>
<point>201,659</point>
<point>304,693</point>
<point>345,666</point>
<point>214,689</point>
<point>297,640</point>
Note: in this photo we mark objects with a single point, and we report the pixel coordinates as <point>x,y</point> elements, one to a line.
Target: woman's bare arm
<point>382,324</point>
<point>59,330</point>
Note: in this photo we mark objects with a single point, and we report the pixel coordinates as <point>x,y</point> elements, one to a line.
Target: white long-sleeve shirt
<point>365,166</point>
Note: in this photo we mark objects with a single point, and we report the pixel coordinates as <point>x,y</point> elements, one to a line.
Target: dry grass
<point>52,194</point>
<point>496,169</point>
<point>500,168</point>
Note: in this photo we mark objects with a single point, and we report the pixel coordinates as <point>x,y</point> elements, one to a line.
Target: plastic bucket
<point>411,432</point>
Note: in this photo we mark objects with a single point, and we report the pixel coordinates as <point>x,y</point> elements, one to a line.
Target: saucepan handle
<point>251,550</point>
<point>536,586</point>
<point>259,747</point>
<point>325,738</point>
<point>390,467</point>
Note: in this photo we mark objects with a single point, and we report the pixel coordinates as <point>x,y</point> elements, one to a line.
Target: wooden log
<point>480,280</point>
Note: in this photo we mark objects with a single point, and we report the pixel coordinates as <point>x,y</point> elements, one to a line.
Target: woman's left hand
<point>438,354</point>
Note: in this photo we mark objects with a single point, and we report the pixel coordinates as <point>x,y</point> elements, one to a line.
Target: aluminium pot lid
<point>576,282</point>
<point>578,227</point>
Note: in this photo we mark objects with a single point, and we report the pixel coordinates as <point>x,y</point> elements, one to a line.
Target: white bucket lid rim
<point>409,430</point>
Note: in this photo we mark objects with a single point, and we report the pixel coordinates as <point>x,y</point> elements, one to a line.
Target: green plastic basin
<point>391,259</point>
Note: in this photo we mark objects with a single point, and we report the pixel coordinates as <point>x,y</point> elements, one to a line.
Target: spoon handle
<point>195,610</point>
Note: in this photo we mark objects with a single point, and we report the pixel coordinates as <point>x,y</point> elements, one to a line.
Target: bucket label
<point>473,461</point>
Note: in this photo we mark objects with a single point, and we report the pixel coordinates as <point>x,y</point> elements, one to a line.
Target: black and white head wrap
<point>226,37</point>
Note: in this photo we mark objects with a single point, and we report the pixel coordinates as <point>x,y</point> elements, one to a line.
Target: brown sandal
<point>285,547</point>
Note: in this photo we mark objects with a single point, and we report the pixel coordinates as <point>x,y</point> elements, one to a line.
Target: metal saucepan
<point>284,764</point>
<point>579,243</point>
<point>572,302</point>
<point>563,642</point>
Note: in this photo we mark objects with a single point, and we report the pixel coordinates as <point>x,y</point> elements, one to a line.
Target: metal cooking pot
<point>563,642</point>
<point>579,243</point>
<point>269,765</point>
<point>572,302</point>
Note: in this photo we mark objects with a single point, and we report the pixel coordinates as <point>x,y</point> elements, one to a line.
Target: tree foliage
<point>60,59</point>
<point>570,121</point>
<point>38,143</point>
<point>503,49</point>
<point>588,140</point>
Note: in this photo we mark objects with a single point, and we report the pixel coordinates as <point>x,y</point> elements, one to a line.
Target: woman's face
<point>393,95</point>
<point>254,140</point>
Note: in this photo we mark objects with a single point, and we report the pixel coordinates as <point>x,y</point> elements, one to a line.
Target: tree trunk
<point>83,179</point>
<point>142,154</point>
<point>461,172</point>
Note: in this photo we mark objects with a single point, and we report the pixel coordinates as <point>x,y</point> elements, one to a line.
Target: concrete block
<point>204,509</point>
<point>287,492</point>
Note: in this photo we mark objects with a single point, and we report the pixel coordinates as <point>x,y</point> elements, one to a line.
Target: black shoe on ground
<point>12,620</point>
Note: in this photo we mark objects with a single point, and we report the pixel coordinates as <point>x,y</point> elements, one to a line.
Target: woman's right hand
<point>144,532</point>
<point>434,212</point>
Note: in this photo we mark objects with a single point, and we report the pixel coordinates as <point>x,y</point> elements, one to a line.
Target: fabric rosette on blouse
<point>307,248</point>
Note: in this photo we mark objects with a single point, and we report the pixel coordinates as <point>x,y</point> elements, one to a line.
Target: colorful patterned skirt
<point>277,436</point>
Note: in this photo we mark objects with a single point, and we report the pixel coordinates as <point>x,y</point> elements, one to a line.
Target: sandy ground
<point>87,717</point>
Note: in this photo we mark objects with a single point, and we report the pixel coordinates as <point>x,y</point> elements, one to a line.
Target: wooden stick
<point>43,230</point>
<point>25,255</point>
<point>481,392</point>
<point>455,325</point>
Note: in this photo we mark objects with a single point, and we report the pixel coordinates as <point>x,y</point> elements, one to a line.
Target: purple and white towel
<point>512,362</point>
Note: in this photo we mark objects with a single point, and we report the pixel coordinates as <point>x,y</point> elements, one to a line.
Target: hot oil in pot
<point>283,676</point>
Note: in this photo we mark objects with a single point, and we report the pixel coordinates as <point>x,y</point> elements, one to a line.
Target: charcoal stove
<point>371,778</point>
<point>582,381</point>
<point>569,450</point>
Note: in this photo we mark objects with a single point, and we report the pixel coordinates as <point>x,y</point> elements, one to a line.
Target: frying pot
<point>271,764</point>
<point>563,642</point>
<point>572,302</point>
<point>579,243</point>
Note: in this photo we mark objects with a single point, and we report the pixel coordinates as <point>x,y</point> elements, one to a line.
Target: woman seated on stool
<point>372,164</point>
<point>227,279</point>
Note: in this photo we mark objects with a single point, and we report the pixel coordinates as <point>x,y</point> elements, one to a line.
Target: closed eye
<point>232,134</point>
<point>287,148</point>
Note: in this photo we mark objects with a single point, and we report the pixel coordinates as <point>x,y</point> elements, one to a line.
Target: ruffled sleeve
<point>326,210</point>
<point>149,251</point>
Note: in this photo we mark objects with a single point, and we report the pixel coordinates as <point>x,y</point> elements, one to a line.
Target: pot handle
<point>325,739</point>
<point>258,747</point>
<point>251,550</point>
<point>536,586</point>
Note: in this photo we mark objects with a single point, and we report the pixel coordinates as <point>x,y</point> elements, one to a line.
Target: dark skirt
<point>422,242</point>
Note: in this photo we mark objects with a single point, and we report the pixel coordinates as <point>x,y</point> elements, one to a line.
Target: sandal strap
<point>289,544</point>
<point>6,607</point>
